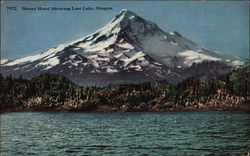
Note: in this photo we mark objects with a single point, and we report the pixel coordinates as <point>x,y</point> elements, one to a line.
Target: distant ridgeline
<point>49,92</point>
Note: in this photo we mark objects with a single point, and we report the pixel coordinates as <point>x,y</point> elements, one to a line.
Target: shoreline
<point>244,108</point>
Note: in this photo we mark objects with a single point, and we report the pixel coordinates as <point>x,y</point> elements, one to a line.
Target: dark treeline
<point>55,93</point>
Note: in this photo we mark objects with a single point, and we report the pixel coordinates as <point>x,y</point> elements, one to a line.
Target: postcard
<point>125,78</point>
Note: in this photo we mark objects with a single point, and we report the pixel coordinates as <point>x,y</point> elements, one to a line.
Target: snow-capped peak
<point>128,43</point>
<point>129,22</point>
<point>125,13</point>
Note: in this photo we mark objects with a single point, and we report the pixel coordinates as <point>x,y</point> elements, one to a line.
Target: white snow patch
<point>136,67</point>
<point>125,46</point>
<point>116,30</point>
<point>50,63</point>
<point>95,71</point>
<point>92,56</point>
<point>156,63</point>
<point>95,63</point>
<point>109,70</point>
<point>90,47</point>
<point>172,33</point>
<point>53,50</point>
<point>77,48</point>
<point>90,37</point>
<point>3,61</point>
<point>47,54</point>
<point>72,56</point>
<point>237,63</point>
<point>26,66</point>
<point>65,62</point>
<point>102,58</point>
<point>195,57</point>
<point>110,50</point>
<point>23,60</point>
<point>106,29</point>
<point>121,40</point>
<point>76,63</point>
<point>132,17</point>
<point>136,56</point>
<point>173,43</point>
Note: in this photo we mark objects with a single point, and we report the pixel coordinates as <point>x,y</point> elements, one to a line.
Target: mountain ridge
<point>129,49</point>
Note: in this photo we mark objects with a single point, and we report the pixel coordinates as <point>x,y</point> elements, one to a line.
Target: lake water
<point>192,133</point>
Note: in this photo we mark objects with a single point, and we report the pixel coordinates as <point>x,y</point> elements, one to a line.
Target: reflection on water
<point>193,133</point>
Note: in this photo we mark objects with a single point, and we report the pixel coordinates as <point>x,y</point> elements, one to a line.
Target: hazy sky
<point>222,26</point>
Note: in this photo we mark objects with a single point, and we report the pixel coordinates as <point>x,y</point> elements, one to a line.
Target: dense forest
<point>50,92</point>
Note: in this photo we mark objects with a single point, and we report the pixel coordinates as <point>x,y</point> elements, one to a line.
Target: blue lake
<point>191,133</point>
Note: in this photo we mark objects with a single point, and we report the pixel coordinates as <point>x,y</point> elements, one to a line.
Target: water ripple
<point>212,133</point>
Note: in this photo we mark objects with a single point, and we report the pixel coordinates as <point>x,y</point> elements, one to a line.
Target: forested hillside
<point>50,92</point>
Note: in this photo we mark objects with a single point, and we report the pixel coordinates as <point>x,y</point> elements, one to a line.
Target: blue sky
<point>218,25</point>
